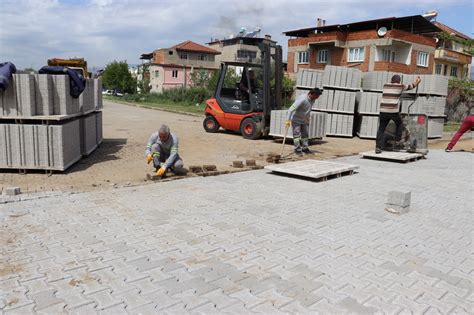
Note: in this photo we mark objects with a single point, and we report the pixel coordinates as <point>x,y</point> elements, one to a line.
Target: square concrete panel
<point>392,156</point>
<point>313,169</point>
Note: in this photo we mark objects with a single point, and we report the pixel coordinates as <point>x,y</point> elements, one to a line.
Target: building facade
<point>452,56</point>
<point>389,44</point>
<point>174,67</point>
<point>241,49</point>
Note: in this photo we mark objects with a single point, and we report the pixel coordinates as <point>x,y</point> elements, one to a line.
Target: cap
<point>316,91</point>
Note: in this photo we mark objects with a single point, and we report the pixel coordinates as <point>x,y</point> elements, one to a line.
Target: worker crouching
<point>162,149</point>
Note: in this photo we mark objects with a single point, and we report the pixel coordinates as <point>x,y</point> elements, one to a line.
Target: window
<point>454,71</point>
<point>157,73</point>
<point>323,56</point>
<point>170,52</point>
<point>422,59</point>
<point>388,55</point>
<point>438,69</point>
<point>203,57</point>
<point>174,73</point>
<point>246,54</point>
<point>183,55</point>
<point>356,54</point>
<point>303,57</point>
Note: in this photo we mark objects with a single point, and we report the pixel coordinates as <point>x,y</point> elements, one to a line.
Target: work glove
<point>149,158</point>
<point>161,171</point>
<point>288,123</point>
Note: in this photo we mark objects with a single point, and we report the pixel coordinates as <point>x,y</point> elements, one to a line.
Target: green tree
<point>117,77</point>
<point>143,85</point>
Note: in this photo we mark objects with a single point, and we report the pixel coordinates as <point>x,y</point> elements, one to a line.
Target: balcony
<point>453,56</point>
<point>391,66</point>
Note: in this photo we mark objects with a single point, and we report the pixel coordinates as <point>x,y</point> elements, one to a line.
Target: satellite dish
<point>436,39</point>
<point>382,31</point>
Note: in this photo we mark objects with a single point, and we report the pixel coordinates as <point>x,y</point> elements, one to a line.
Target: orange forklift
<point>246,93</point>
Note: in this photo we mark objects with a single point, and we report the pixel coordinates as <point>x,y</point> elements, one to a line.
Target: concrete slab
<point>392,156</point>
<point>313,169</point>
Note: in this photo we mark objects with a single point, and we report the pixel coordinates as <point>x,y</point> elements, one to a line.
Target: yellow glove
<point>161,171</point>
<point>149,158</point>
<point>288,123</point>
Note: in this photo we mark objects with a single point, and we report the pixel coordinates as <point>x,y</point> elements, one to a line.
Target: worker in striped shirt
<point>162,149</point>
<point>390,108</point>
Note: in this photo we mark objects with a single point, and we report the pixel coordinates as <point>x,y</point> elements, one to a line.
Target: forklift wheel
<point>250,129</point>
<point>210,124</point>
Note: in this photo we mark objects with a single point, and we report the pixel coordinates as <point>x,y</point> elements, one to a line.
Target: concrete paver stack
<point>431,101</point>
<point>43,127</point>
<point>339,99</point>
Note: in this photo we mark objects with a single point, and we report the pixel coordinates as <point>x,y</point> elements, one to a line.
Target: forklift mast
<point>271,100</point>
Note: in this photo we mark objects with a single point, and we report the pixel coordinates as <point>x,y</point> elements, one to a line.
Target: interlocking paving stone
<point>255,242</point>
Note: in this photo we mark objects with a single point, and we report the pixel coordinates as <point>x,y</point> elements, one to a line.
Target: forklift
<point>248,113</point>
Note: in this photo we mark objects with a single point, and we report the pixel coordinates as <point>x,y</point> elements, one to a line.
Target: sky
<point>101,31</point>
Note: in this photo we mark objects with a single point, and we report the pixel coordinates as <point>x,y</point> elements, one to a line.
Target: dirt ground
<point>119,160</point>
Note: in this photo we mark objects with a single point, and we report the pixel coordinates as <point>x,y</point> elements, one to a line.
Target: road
<point>249,242</point>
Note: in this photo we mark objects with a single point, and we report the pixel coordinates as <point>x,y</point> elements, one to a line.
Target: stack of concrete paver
<point>369,102</point>
<point>431,101</point>
<point>339,99</point>
<point>317,125</point>
<point>43,127</point>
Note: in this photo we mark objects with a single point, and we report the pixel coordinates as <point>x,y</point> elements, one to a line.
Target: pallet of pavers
<point>336,101</point>
<point>393,156</point>
<point>313,169</point>
<point>427,104</point>
<point>375,80</point>
<point>435,126</point>
<point>45,147</point>
<point>317,125</point>
<point>368,126</point>
<point>342,77</point>
<point>430,84</point>
<point>31,95</point>
<point>90,128</point>
<point>309,78</point>
<point>341,125</point>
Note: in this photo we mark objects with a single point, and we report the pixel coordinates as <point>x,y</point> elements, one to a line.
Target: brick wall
<point>291,63</point>
<point>159,57</point>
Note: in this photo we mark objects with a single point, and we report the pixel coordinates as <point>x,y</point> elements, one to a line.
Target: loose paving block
<point>313,169</point>
<point>238,164</point>
<point>392,156</point>
<point>250,163</point>
<point>209,168</point>
<point>11,191</point>
<point>195,169</point>
<point>399,198</point>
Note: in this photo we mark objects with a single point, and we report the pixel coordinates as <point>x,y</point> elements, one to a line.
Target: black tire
<point>210,124</point>
<point>250,129</point>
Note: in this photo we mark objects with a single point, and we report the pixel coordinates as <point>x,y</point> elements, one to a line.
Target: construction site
<point>312,208</point>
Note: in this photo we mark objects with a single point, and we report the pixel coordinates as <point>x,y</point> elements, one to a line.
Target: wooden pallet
<point>392,156</point>
<point>313,169</point>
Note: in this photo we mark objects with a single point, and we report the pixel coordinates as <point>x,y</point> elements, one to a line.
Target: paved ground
<point>250,242</point>
<point>119,161</point>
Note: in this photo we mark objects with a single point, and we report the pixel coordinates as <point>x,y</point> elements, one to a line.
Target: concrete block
<point>88,134</point>
<point>99,132</point>
<point>86,98</point>
<point>64,103</point>
<point>64,145</point>
<point>25,94</point>
<point>11,191</point>
<point>9,101</point>
<point>98,94</point>
<point>399,198</point>
<point>44,96</point>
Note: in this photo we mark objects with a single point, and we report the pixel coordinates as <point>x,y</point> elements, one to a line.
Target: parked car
<point>112,93</point>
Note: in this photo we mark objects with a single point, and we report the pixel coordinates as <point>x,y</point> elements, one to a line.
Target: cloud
<point>105,30</point>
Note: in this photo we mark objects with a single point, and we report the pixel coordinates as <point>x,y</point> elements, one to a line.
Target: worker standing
<point>390,108</point>
<point>298,117</point>
<point>162,149</point>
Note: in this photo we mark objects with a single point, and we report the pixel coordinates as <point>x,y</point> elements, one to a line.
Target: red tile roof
<point>451,30</point>
<point>195,47</point>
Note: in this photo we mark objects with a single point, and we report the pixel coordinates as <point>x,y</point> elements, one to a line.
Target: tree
<point>143,85</point>
<point>117,77</point>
